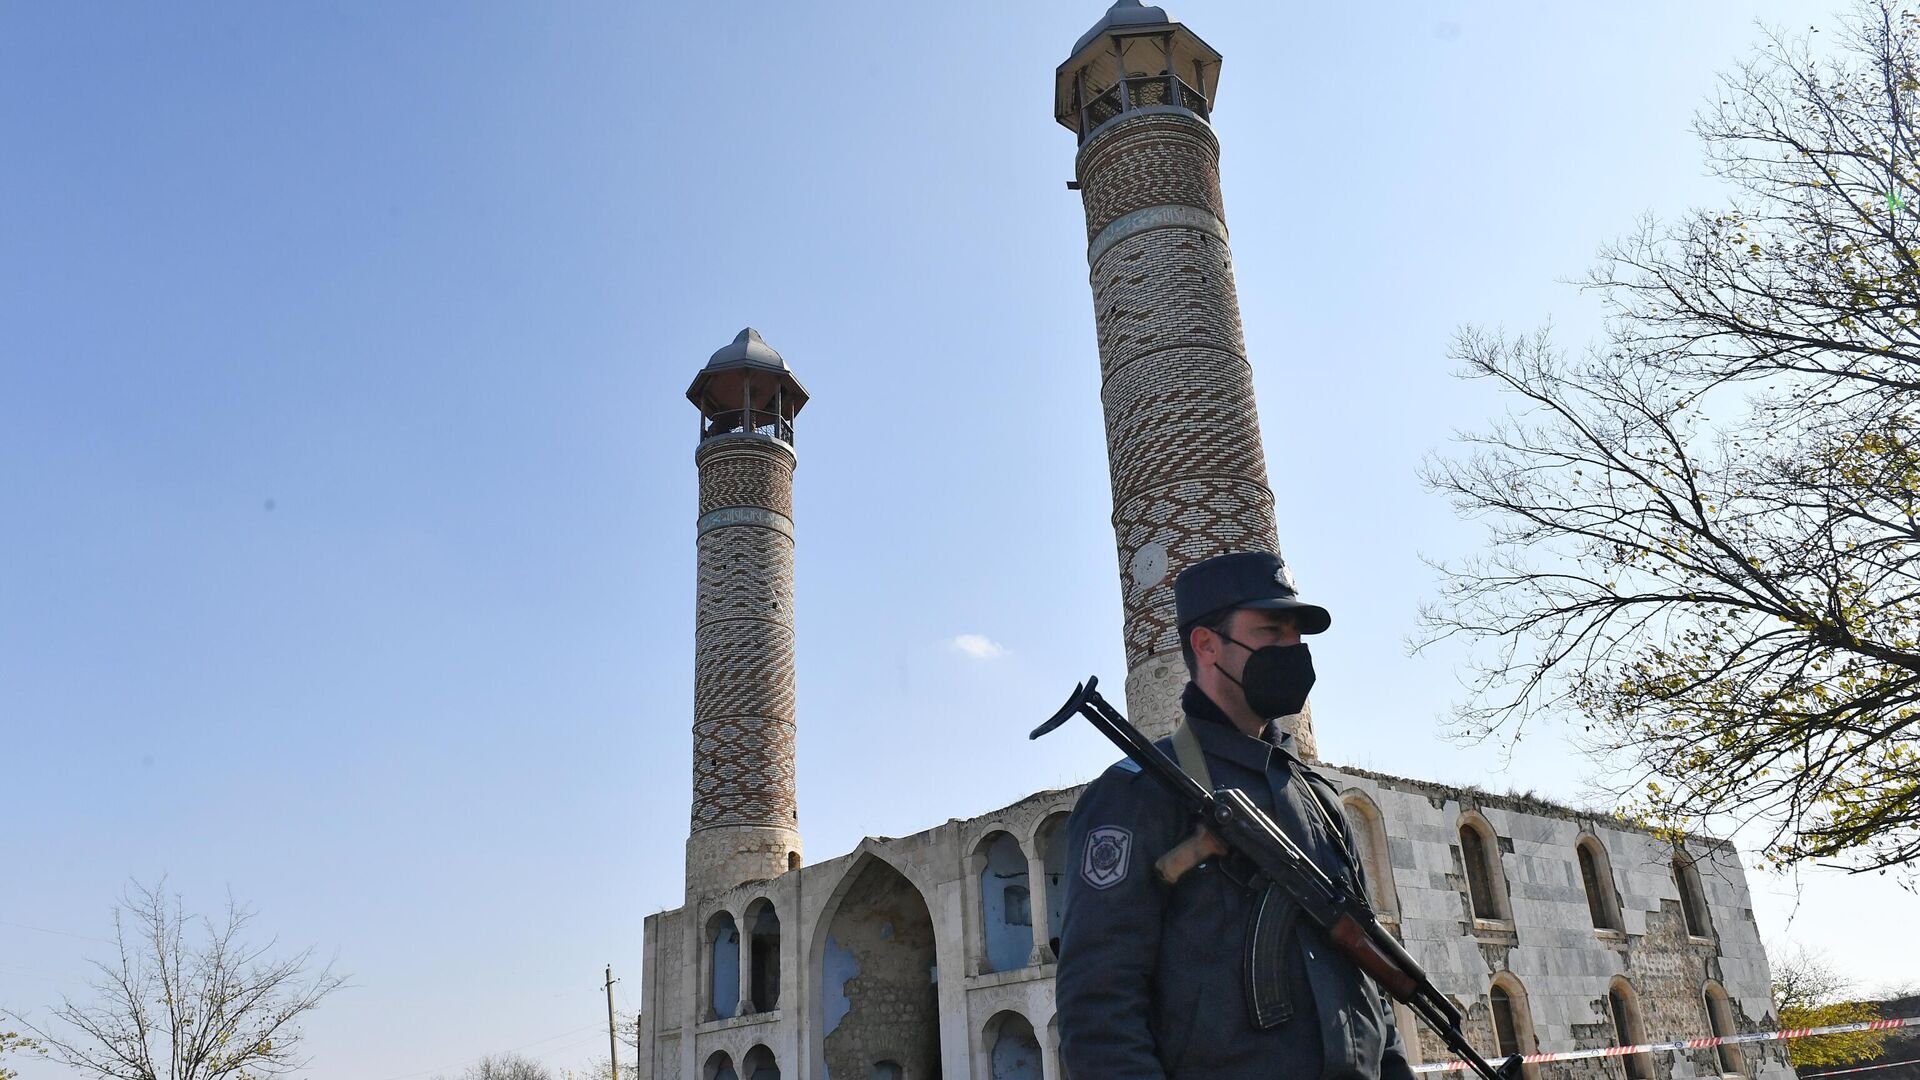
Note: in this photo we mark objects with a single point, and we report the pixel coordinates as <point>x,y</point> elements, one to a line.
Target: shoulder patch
<point>1109,851</point>
<point>1128,764</point>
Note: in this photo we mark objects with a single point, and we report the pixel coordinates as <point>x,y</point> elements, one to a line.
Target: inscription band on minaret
<point>1183,435</point>
<point>745,809</point>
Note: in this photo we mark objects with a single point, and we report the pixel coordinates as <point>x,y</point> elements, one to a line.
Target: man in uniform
<point>1219,976</point>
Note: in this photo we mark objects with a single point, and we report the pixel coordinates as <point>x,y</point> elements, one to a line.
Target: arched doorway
<point>879,994</point>
<point>1013,1051</point>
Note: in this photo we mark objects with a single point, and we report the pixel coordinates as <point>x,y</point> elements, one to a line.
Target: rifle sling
<point>1193,760</point>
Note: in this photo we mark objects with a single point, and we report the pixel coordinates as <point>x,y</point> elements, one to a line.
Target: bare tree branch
<point>172,1009</point>
<point>1703,533</point>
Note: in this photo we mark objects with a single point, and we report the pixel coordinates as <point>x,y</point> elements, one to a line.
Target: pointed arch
<point>760,953</point>
<point>718,1067</point>
<point>1720,1023</point>
<point>1512,1015</point>
<point>1596,878</point>
<point>1480,860</point>
<point>721,957</point>
<point>1006,903</point>
<point>1629,1027</point>
<point>872,975</point>
<point>759,1064</point>
<point>1011,1048</point>
<point>1693,895</point>
<point>1370,837</point>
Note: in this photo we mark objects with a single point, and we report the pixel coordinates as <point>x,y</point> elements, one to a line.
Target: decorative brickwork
<point>1163,289</point>
<point>1157,159</point>
<point>1188,471</point>
<point>746,470</point>
<point>745,573</point>
<point>743,695</point>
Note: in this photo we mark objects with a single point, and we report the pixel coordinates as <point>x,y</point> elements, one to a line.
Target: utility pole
<point>613,1042</point>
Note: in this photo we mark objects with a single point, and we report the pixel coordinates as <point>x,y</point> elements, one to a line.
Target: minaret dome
<point>1134,58</point>
<point>747,388</point>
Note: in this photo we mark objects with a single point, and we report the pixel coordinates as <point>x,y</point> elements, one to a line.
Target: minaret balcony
<point>739,422</point>
<point>1140,92</point>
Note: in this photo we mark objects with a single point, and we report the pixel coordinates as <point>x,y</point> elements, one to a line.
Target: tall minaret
<point>745,821</point>
<point>1183,437</point>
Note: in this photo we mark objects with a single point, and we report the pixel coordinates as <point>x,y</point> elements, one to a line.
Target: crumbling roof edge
<point>1520,803</point>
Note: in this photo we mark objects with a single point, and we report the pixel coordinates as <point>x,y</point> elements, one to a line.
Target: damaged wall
<point>882,998</point>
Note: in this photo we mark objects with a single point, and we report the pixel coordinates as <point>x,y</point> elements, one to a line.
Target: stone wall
<point>1553,961</point>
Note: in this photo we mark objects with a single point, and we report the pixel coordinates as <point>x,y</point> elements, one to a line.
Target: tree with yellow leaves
<point>12,1042</point>
<point>1809,993</point>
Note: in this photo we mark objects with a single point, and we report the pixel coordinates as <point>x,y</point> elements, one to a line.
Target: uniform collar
<point>1219,736</point>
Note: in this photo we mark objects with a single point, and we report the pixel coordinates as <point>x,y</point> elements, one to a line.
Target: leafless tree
<point>187,999</point>
<point>1704,530</point>
<point>505,1067</point>
<point>1809,991</point>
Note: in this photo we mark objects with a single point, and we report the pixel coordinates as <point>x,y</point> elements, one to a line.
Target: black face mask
<point>1276,679</point>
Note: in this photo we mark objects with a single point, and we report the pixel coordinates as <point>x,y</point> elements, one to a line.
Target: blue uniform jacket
<point>1156,983</point>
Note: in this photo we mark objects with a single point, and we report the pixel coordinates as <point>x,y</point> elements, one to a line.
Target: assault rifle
<point>1234,822</point>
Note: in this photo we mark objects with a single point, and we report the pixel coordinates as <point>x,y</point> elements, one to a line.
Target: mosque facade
<point>932,955</point>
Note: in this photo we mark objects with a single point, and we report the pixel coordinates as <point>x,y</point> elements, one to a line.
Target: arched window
<point>1013,1052</point>
<point>1693,897</point>
<point>1596,875</point>
<point>886,1070</point>
<point>1370,838</point>
<point>1006,915</point>
<point>1053,856</point>
<point>719,1067</point>
<point>763,957</point>
<point>723,967</point>
<point>759,1064</point>
<point>1480,852</point>
<point>1506,1032</point>
<point>1720,1022</point>
<point>1629,1029</point>
<point>1513,1021</point>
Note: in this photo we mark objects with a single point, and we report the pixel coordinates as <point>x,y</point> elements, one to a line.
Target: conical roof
<point>733,372</point>
<point>1124,13</point>
<point>748,349</point>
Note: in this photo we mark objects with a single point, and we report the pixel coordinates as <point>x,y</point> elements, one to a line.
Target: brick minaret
<point>1183,437</point>
<point>745,821</point>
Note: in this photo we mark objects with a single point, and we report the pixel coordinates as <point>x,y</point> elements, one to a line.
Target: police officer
<point>1217,976</point>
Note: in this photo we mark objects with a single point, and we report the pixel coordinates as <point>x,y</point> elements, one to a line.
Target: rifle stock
<point>1353,939</point>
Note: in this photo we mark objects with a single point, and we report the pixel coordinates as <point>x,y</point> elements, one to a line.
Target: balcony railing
<point>1139,92</point>
<point>756,422</point>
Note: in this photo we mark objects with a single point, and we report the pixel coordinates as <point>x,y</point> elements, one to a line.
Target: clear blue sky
<point>346,487</point>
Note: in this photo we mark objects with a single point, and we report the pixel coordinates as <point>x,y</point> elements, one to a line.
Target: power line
<point>61,933</point>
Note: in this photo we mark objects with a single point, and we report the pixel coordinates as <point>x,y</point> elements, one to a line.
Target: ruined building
<point>931,955</point>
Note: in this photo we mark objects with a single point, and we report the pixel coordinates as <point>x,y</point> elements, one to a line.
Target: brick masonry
<point>743,710</point>
<point>1184,455</point>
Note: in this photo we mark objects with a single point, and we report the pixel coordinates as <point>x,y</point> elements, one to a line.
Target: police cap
<point>1242,579</point>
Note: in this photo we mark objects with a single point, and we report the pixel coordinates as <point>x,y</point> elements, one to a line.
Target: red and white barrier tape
<point>1692,1044</point>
